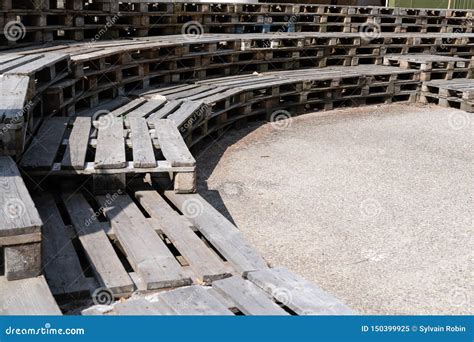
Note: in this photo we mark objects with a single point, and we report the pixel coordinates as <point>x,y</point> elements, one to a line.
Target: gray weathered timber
<point>172,144</point>
<point>146,252</point>
<point>110,151</point>
<point>18,212</point>
<point>297,293</point>
<point>60,261</point>
<point>222,234</point>
<point>193,300</point>
<point>248,298</point>
<point>76,150</point>
<point>142,307</point>
<point>204,262</point>
<point>27,297</point>
<point>143,155</point>
<point>106,265</point>
<point>44,147</point>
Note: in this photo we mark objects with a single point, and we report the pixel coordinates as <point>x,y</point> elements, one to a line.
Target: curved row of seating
<point>50,20</point>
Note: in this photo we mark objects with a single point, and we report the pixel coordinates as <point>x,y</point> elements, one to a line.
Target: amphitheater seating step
<point>458,93</point>
<point>20,226</point>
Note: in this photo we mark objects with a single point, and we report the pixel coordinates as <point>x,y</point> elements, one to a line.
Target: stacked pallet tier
<point>54,20</point>
<point>458,93</point>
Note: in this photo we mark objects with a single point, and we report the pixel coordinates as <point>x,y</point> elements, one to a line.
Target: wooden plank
<point>106,265</point>
<point>222,234</point>
<point>60,261</point>
<point>143,154</point>
<point>18,212</point>
<point>76,150</point>
<point>248,298</point>
<point>187,110</point>
<point>168,108</point>
<point>204,262</point>
<point>142,307</point>
<point>297,293</point>
<point>27,297</point>
<point>42,151</point>
<point>193,300</point>
<point>146,252</point>
<point>147,108</point>
<point>13,97</point>
<point>172,144</point>
<point>123,110</point>
<point>110,151</point>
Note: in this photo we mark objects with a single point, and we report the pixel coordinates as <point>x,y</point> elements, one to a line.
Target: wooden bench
<point>109,149</point>
<point>20,226</point>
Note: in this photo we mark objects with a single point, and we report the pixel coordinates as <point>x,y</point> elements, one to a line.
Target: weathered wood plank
<point>110,151</point>
<point>142,307</point>
<point>222,234</point>
<point>60,261</point>
<point>18,212</point>
<point>43,149</point>
<point>193,300</point>
<point>147,108</point>
<point>146,252</point>
<point>143,155</point>
<point>204,262</point>
<point>187,110</point>
<point>168,108</point>
<point>248,298</point>
<point>172,144</point>
<point>76,150</point>
<point>27,297</point>
<point>106,265</point>
<point>13,97</point>
<point>300,295</point>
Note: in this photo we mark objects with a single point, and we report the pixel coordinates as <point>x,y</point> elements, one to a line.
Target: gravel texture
<point>373,204</point>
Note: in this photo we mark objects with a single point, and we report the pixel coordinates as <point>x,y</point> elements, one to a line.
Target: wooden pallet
<point>108,149</point>
<point>275,292</point>
<point>433,66</point>
<point>127,251</point>
<point>20,226</point>
<point>457,93</point>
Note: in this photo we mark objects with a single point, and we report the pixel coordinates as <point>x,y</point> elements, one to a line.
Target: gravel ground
<point>373,204</point>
